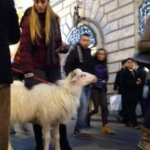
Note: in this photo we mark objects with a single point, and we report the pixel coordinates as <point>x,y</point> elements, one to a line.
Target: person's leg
<point>81,113</point>
<point>38,137</point>
<point>147,104</point>
<point>95,103</point>
<point>64,144</point>
<point>103,104</point>
<point>145,140</point>
<point>125,108</point>
<point>132,113</point>
<point>94,98</point>
<point>147,120</point>
<point>104,107</point>
<point>81,122</point>
<point>4,116</point>
<point>37,128</point>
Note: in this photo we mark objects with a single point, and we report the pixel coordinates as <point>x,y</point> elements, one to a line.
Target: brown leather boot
<point>144,143</point>
<point>107,130</point>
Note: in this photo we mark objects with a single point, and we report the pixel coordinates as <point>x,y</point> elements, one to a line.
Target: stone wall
<point>118,21</point>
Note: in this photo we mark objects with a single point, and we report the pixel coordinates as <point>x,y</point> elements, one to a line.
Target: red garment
<point>34,56</point>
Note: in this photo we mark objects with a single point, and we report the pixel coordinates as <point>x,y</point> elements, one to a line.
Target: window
<point>75,35</point>
<point>144,12</point>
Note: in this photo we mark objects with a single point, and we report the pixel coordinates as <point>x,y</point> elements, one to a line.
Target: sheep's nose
<point>95,79</point>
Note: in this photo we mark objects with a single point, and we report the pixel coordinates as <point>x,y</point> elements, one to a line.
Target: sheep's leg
<point>56,136</point>
<point>47,136</point>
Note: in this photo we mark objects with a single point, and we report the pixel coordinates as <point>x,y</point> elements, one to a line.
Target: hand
<point>63,49</point>
<point>103,81</point>
<point>115,92</point>
<point>29,82</point>
<point>138,82</point>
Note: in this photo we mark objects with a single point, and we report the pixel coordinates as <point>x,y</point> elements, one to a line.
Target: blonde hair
<point>35,25</point>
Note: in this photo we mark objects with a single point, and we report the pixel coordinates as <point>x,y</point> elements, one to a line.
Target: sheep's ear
<point>73,76</point>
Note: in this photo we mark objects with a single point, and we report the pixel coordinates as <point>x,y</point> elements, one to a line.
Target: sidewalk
<point>125,138</point>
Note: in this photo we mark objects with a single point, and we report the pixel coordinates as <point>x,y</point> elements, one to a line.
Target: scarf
<point>50,60</point>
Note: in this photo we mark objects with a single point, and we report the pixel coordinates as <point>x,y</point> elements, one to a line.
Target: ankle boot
<point>64,144</point>
<point>144,143</point>
<point>107,130</point>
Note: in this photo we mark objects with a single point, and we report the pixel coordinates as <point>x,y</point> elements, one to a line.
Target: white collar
<point>131,70</point>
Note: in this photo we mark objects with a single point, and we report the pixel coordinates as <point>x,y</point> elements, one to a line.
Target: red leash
<point>36,78</point>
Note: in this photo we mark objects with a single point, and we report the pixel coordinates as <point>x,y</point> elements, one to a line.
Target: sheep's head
<point>82,78</point>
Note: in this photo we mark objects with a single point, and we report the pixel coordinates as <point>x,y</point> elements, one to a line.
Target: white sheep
<point>49,105</point>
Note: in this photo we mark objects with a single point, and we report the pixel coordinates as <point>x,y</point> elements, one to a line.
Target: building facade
<point>114,23</point>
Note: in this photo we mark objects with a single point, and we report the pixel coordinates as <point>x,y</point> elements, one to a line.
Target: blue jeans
<point>83,109</point>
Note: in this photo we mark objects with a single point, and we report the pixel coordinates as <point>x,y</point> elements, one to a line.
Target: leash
<point>36,78</point>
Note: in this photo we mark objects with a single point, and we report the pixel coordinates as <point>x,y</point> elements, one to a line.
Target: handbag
<point>115,103</point>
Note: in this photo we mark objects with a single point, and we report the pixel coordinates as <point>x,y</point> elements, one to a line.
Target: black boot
<point>38,137</point>
<point>64,144</point>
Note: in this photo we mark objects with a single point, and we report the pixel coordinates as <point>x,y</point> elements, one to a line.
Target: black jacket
<point>117,83</point>
<point>9,34</point>
<point>129,86</point>
<point>73,61</point>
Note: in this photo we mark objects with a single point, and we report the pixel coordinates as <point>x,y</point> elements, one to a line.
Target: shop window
<point>144,12</point>
<point>76,33</point>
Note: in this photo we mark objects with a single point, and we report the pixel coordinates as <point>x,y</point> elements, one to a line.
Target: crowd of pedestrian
<point>40,45</point>
<point>129,83</point>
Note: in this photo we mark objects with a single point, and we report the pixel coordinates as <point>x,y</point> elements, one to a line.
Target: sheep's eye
<point>83,75</point>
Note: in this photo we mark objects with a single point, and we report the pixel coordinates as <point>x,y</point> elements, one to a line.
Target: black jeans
<point>52,76</point>
<point>129,115</point>
<point>99,99</point>
<point>147,120</point>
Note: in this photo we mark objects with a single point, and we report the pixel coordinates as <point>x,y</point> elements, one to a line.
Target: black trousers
<point>147,120</point>
<point>52,76</point>
<point>129,115</point>
<point>99,99</point>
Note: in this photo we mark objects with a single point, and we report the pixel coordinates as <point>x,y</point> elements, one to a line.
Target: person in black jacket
<point>118,88</point>
<point>130,83</point>
<point>117,83</point>
<point>81,58</point>
<point>9,34</point>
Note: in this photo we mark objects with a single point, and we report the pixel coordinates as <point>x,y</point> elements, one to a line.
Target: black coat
<point>9,34</point>
<point>73,62</point>
<point>129,86</point>
<point>117,84</point>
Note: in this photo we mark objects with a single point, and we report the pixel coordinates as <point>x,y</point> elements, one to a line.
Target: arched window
<point>76,33</point>
<point>144,12</point>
